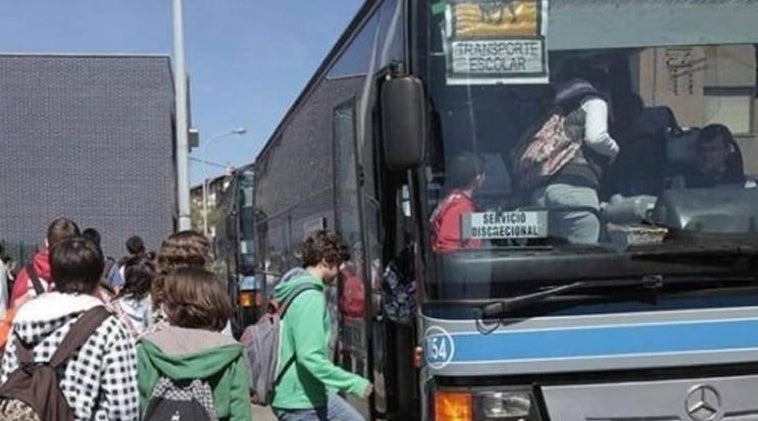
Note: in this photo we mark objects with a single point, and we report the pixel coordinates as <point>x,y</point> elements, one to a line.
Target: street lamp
<point>239,131</point>
<point>182,131</point>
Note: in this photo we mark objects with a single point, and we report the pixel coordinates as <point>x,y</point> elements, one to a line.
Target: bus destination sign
<point>490,42</point>
<point>504,225</point>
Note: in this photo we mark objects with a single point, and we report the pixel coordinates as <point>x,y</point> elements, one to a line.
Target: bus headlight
<point>506,406</point>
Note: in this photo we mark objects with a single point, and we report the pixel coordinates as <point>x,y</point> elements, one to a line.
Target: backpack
<point>399,303</point>
<point>352,302</point>
<point>262,349</point>
<point>544,153</point>
<point>177,400</point>
<point>32,391</point>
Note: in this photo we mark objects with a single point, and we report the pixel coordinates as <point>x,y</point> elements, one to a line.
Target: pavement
<point>262,413</point>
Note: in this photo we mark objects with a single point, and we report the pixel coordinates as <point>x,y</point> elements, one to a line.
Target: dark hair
<point>60,229</point>
<point>463,170</point>
<point>76,265</point>
<point>135,245</point>
<point>195,299</point>
<point>92,234</point>
<point>324,245</point>
<point>139,272</point>
<point>715,131</point>
<point>181,249</point>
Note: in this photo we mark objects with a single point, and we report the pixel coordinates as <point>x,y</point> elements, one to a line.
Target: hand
<point>369,390</point>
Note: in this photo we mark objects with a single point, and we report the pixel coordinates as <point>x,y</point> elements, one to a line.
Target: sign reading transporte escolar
<point>495,41</point>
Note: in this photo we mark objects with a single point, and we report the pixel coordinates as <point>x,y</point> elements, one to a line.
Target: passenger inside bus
<point>576,184</point>
<point>718,161</point>
<point>465,176</point>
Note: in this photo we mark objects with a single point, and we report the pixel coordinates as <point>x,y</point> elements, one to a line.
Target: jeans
<point>578,227</point>
<point>336,409</point>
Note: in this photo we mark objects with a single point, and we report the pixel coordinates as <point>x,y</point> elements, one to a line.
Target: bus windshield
<point>582,159</point>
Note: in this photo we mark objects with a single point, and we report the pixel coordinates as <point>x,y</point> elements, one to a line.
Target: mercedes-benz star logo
<point>703,403</point>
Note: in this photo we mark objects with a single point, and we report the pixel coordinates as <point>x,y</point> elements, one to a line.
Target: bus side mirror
<point>403,113</point>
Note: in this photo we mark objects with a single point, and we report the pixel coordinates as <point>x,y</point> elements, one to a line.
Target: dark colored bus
<point>234,248</point>
<point>632,297</point>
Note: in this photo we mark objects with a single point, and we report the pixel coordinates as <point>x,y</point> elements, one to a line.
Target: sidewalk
<point>262,413</point>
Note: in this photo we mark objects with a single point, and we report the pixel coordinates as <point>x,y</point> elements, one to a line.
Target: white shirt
<point>596,135</point>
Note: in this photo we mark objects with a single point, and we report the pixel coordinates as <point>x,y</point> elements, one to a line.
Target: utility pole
<point>182,144</point>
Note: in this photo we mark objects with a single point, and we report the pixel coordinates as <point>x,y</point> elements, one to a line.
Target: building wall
<point>91,138</point>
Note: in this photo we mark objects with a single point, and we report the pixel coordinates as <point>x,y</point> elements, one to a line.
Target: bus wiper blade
<point>496,310</point>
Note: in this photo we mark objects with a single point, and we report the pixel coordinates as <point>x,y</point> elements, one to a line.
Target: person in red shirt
<point>59,229</point>
<point>465,175</point>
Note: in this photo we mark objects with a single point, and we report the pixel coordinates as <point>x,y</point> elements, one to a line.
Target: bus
<point>234,248</point>
<point>633,297</point>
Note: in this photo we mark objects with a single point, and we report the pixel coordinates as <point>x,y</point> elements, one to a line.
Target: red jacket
<point>23,284</point>
<point>446,223</point>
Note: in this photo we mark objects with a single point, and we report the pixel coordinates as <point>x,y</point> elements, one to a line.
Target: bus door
<point>351,306</point>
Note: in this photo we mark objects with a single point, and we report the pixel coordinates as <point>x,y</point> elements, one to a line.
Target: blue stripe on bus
<point>605,341</point>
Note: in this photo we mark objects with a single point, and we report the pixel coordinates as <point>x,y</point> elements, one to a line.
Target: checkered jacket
<point>99,382</point>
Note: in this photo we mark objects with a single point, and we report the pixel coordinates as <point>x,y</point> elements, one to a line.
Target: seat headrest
<point>682,149</point>
<point>653,120</point>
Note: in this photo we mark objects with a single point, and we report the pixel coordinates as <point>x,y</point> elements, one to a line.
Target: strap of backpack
<point>36,283</point>
<point>291,297</point>
<point>283,309</point>
<point>78,334</point>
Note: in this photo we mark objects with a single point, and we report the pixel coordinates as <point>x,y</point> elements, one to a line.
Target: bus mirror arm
<point>404,122</point>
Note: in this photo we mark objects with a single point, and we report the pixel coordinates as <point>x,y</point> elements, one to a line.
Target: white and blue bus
<point>654,318</point>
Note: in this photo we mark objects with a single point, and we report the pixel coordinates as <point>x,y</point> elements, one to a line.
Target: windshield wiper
<point>496,310</point>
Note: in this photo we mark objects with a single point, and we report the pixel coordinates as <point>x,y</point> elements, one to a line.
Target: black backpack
<point>32,391</point>
<point>179,400</point>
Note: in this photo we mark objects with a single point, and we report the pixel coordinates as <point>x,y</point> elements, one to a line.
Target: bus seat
<point>642,163</point>
<point>653,120</point>
<point>497,187</point>
<point>682,149</point>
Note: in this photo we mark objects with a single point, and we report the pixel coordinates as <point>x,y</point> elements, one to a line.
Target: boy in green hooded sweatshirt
<point>190,346</point>
<point>307,389</point>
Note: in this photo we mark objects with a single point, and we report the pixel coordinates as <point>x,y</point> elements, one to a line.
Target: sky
<point>248,59</point>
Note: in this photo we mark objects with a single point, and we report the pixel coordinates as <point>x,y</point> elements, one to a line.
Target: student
<point>59,229</point>
<point>464,177</point>
<point>308,385</point>
<point>99,381</point>
<point>106,290</point>
<point>181,249</point>
<point>190,348</point>
<point>133,304</point>
<point>135,247</point>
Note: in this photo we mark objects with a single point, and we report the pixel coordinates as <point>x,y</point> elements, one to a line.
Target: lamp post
<point>182,144</point>
<point>239,131</point>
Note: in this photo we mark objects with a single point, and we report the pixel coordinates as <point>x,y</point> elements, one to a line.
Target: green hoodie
<point>183,354</point>
<point>306,328</point>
